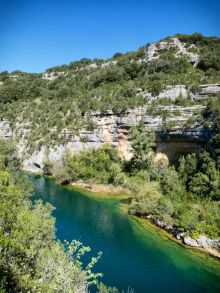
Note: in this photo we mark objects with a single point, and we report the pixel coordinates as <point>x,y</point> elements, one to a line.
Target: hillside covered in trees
<point>45,104</point>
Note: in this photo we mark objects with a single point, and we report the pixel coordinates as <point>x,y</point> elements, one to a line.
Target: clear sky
<point>37,34</point>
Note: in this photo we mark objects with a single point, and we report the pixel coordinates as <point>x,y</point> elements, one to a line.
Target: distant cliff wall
<point>113,129</point>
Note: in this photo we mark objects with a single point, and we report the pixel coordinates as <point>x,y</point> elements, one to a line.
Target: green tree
<point>142,145</point>
<point>146,202</point>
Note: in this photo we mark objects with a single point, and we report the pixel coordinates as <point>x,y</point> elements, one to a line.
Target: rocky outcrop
<point>202,242</point>
<point>169,228</point>
<point>5,130</point>
<point>154,50</point>
<point>173,92</point>
<point>52,75</point>
<point>210,245</point>
<point>205,91</point>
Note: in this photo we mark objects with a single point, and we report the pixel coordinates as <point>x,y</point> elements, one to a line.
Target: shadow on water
<point>133,256</point>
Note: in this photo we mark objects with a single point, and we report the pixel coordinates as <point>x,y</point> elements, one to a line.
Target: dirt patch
<point>103,188</point>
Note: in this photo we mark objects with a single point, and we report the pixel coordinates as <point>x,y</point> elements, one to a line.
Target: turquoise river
<point>134,256</point>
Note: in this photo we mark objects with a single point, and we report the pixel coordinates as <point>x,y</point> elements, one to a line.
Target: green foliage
<point>104,289</point>
<point>170,182</point>
<point>47,167</point>
<point>211,116</point>
<point>31,260</point>
<point>209,49</point>
<point>167,125</point>
<point>146,201</point>
<point>192,39</point>
<point>185,198</point>
<point>142,146</point>
<point>8,156</point>
<point>155,87</point>
<point>135,181</point>
<point>100,166</point>
<point>200,174</point>
<point>169,65</point>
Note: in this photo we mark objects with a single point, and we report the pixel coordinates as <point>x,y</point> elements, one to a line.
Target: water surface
<point>133,256</point>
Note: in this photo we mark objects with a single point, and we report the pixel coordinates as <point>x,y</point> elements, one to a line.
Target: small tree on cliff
<point>142,145</point>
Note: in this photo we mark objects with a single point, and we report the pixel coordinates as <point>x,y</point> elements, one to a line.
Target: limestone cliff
<point>113,129</point>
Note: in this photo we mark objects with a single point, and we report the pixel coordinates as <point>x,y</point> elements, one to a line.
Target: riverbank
<point>110,191</point>
<point>148,223</point>
<point>187,242</point>
<point>102,188</point>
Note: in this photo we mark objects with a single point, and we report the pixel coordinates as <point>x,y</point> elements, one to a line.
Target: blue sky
<point>37,34</point>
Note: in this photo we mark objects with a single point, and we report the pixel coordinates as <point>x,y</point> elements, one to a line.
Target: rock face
<point>206,90</point>
<point>113,129</point>
<point>209,89</point>
<point>202,242</point>
<point>52,75</point>
<point>173,92</point>
<point>153,50</point>
<point>5,130</point>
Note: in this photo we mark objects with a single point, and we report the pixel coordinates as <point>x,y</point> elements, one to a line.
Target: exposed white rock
<point>52,75</point>
<point>209,89</point>
<point>112,129</point>
<point>180,235</point>
<point>205,91</point>
<point>206,242</point>
<point>173,92</point>
<point>108,63</point>
<point>202,242</point>
<point>153,50</point>
<point>190,241</point>
<point>5,130</point>
<point>193,57</point>
<point>95,65</point>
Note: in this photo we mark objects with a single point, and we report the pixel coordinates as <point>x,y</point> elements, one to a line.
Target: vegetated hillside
<point>45,104</point>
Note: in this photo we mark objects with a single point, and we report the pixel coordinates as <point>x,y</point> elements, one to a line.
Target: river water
<point>133,256</point>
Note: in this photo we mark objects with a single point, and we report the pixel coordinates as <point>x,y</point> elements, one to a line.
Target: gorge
<point>144,126</point>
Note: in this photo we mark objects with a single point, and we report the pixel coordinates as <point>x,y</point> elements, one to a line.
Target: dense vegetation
<point>47,107</point>
<point>185,196</point>
<point>31,260</point>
